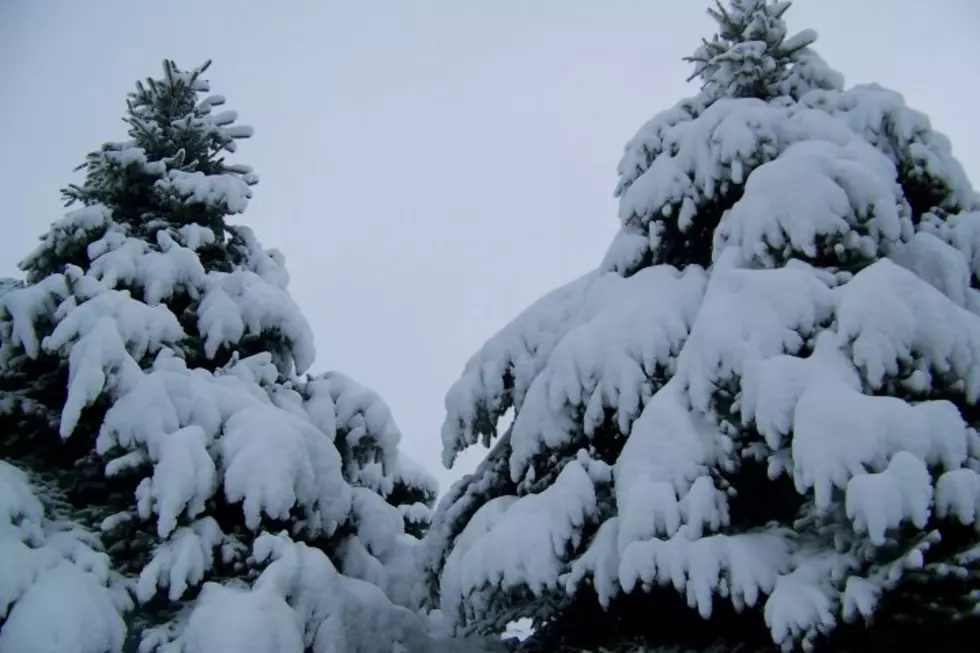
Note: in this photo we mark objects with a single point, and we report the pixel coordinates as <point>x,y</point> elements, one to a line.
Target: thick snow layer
<point>365,422</point>
<point>499,375</point>
<point>502,374</point>
<point>414,475</point>
<point>527,541</point>
<point>669,449</point>
<point>274,462</point>
<point>98,362</point>
<point>874,430</point>
<point>53,586</point>
<point>749,563</point>
<point>823,330</point>
<point>941,265</point>
<point>65,235</point>
<point>961,231</point>
<point>881,117</point>
<point>228,192</point>
<point>881,501</point>
<point>234,620</point>
<point>958,495</point>
<point>64,609</point>
<point>144,329</point>
<point>242,303</point>
<point>600,564</point>
<point>817,190</point>
<point>908,320</point>
<point>748,315</point>
<point>131,262</point>
<point>452,590</point>
<point>182,561</point>
<point>21,310</point>
<point>300,602</point>
<point>379,524</point>
<point>205,431</point>
<point>698,151</point>
<point>608,361</point>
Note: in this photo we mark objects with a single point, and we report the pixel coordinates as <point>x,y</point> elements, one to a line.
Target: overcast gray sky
<point>429,167</point>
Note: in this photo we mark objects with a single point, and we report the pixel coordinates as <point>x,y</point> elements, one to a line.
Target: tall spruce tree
<point>754,426</point>
<point>168,480</point>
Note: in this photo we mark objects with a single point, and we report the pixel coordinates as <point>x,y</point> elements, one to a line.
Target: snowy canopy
<point>172,479</point>
<point>789,309</point>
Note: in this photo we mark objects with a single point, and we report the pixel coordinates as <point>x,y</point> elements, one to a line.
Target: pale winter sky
<point>429,167</point>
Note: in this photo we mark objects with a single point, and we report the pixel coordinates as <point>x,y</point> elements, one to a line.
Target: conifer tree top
<point>175,157</point>
<point>752,55</point>
<point>171,174</point>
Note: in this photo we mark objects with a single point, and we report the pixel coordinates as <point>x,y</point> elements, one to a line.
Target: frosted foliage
<point>499,375</point>
<point>608,362</point>
<point>600,563</point>
<point>298,603</point>
<point>963,232</point>
<point>790,342</point>
<point>180,350</point>
<point>246,302</point>
<point>528,543</point>
<point>22,309</point>
<point>753,55</point>
<point>379,524</point>
<point>588,371</point>
<point>241,304</point>
<point>220,433</point>
<point>749,315</point>
<point>958,495</point>
<point>748,564</point>
<point>233,620</point>
<point>206,432</point>
<point>363,419</point>
<point>815,191</point>
<point>65,234</point>
<point>790,306</point>
<point>119,260</point>
<point>228,192</point>
<point>881,501</point>
<point>940,265</point>
<point>54,588</point>
<point>880,117</point>
<point>181,562</point>
<point>700,151</point>
<point>65,609</point>
<point>908,320</point>
<point>273,461</point>
<point>877,450</point>
<point>269,264</point>
<point>414,475</point>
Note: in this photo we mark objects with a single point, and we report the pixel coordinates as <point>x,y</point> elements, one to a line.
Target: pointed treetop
<point>752,56</point>
<point>166,112</point>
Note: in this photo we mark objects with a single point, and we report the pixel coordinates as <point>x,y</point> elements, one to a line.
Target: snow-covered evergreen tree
<point>755,423</point>
<point>169,480</point>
